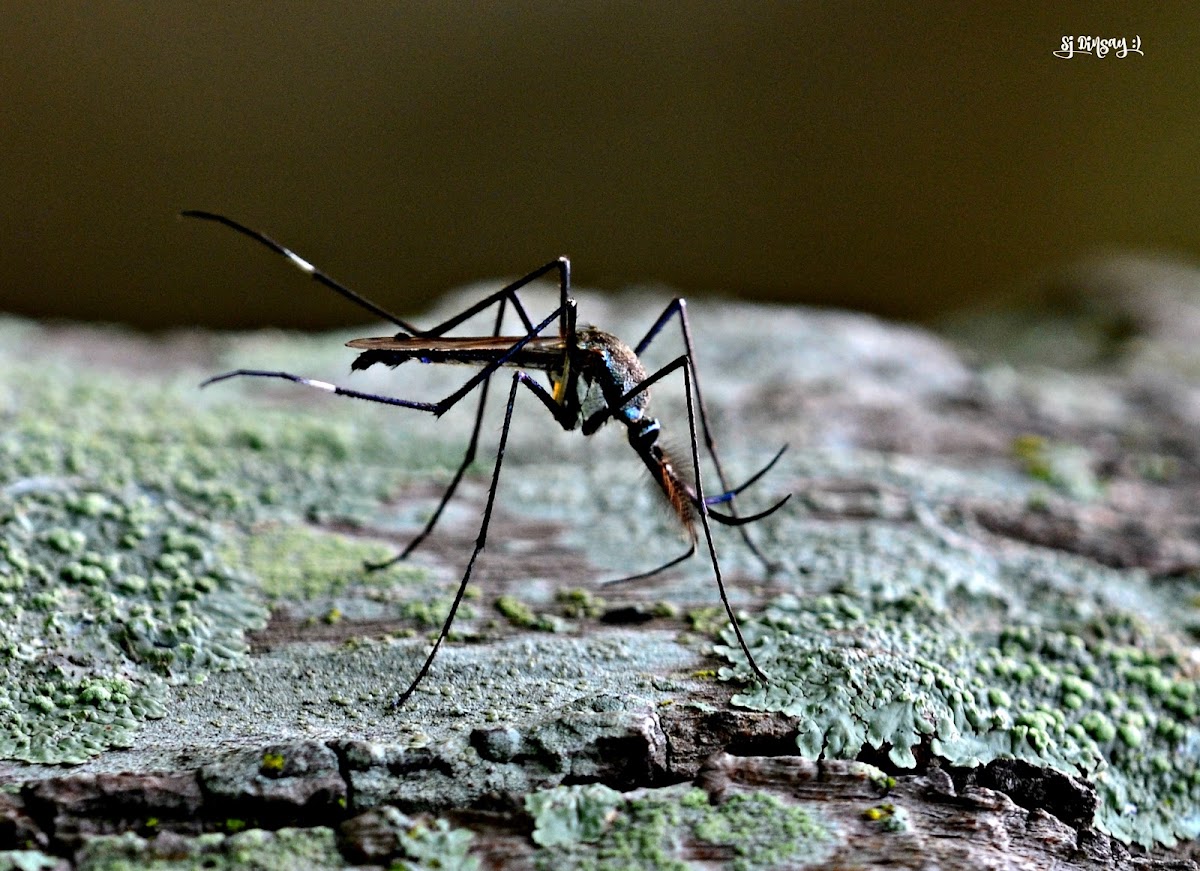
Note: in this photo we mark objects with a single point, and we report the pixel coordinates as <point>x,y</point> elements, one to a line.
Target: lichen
<point>106,598</point>
<point>208,451</point>
<point>1090,699</point>
<point>1063,466</point>
<point>890,817</point>
<point>519,614</point>
<point>316,575</point>
<point>299,562</point>
<point>272,764</point>
<point>113,587</point>
<point>572,814</point>
<point>435,845</point>
<point>595,827</point>
<point>578,603</point>
<point>281,850</point>
<point>27,860</point>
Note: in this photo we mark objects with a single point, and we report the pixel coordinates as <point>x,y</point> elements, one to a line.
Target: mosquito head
<point>367,359</point>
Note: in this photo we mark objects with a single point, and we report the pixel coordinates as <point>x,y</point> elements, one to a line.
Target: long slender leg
<point>303,265</point>
<point>678,307</point>
<point>435,408</point>
<point>566,314</point>
<point>518,379</point>
<point>712,550</point>
<point>483,377</point>
<point>641,576</point>
<point>509,291</point>
<point>562,313</point>
<point>499,298</point>
<point>431,407</point>
<point>749,482</point>
<point>468,458</point>
<point>562,264</point>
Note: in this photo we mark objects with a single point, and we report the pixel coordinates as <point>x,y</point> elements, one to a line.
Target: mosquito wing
<point>454,344</point>
<point>539,352</point>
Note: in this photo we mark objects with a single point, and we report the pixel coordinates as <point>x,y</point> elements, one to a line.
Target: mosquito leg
<point>509,292</point>
<point>678,307</point>
<point>566,316</point>
<point>468,458</point>
<point>749,482</point>
<point>431,407</point>
<point>703,511</point>
<point>303,265</point>
<point>518,379</point>
<point>486,372</point>
<point>641,576</point>
<point>435,408</point>
<point>483,377</point>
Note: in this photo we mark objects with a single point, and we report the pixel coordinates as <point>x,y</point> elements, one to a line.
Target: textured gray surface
<point>997,498</point>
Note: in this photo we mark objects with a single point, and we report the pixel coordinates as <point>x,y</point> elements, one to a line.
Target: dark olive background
<point>899,157</point>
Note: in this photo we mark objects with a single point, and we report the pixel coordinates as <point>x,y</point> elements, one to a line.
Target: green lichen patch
<point>435,845</point>
<point>112,588</point>
<point>1065,467</point>
<point>27,860</point>
<point>313,574</point>
<point>572,814</point>
<point>890,817</point>
<point>105,597</point>
<point>281,850</point>
<point>935,553</point>
<point>223,458</point>
<point>1089,700</point>
<point>578,603</point>
<point>297,562</point>
<point>595,827</point>
<point>522,616</point>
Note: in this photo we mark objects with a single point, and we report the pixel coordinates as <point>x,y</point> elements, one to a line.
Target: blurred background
<point>907,159</point>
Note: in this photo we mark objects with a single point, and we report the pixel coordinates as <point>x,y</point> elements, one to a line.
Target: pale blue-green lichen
<point>1091,699</point>
<point>105,597</point>
<point>598,828</point>
<point>572,814</point>
<point>435,845</point>
<point>222,459</point>
<point>283,850</point>
<point>1065,467</point>
<point>27,860</point>
<point>299,562</point>
<point>111,585</point>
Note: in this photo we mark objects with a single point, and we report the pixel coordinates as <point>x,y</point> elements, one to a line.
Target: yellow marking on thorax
<point>560,386</point>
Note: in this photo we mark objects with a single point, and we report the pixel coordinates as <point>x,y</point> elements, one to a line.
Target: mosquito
<point>594,377</point>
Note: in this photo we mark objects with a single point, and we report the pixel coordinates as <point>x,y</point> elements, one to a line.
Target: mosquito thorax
<point>608,369</point>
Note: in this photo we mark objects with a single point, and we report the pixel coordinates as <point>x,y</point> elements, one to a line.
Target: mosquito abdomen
<point>679,495</point>
<point>643,437</point>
